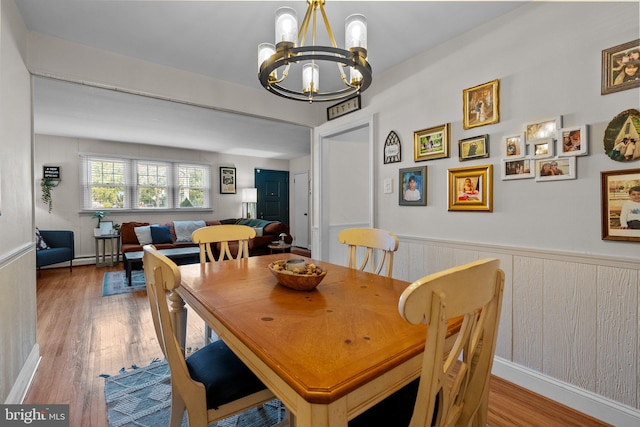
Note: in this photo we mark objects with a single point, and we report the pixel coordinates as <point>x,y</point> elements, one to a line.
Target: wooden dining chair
<point>377,243</point>
<point>212,237</point>
<point>208,239</point>
<point>212,383</point>
<point>453,388</point>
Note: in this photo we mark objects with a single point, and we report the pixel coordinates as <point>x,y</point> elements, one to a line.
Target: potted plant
<point>99,215</point>
<point>46,185</point>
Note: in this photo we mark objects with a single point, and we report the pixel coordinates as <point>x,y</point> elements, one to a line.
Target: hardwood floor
<point>82,335</point>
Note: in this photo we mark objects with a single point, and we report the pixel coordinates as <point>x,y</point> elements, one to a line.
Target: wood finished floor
<point>82,335</point>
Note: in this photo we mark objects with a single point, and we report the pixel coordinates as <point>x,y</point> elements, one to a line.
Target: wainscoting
<point>570,322</point>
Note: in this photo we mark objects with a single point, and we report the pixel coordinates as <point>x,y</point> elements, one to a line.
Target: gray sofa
<point>61,248</point>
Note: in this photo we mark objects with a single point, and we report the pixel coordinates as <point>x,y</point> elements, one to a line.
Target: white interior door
<point>301,210</point>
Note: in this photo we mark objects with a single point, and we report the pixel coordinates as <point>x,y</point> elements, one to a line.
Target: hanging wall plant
<point>46,185</point>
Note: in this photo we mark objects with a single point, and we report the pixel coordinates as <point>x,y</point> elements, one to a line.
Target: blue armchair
<point>61,248</point>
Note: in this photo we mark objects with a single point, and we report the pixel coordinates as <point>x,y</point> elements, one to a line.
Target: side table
<point>285,247</point>
<point>114,246</point>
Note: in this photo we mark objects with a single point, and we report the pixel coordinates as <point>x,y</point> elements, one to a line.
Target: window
<point>112,183</point>
<point>106,186</point>
<point>153,184</point>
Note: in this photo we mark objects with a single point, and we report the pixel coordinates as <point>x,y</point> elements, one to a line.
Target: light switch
<point>388,186</point>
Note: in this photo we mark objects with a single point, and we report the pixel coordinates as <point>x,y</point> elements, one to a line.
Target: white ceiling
<point>217,39</point>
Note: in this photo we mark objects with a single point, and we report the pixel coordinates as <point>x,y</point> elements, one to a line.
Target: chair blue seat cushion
<point>225,377</point>
<point>396,410</point>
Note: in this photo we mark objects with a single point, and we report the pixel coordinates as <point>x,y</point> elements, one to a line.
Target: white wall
<point>571,313</point>
<point>543,74</point>
<point>66,214</point>
<point>18,348</point>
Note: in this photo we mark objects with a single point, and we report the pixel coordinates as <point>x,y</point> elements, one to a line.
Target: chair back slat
<point>208,238</point>
<point>459,373</point>
<point>380,244</point>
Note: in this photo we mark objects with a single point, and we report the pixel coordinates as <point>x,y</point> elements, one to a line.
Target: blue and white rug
<point>115,282</point>
<point>142,397</point>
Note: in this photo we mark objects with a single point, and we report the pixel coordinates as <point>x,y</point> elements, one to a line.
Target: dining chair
<point>376,243</point>
<point>453,388</point>
<point>212,383</point>
<point>223,234</point>
<point>208,240</point>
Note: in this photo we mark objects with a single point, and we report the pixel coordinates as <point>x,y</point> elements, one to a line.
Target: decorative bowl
<point>305,280</point>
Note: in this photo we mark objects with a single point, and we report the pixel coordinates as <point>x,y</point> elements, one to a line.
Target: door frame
<point>323,243</point>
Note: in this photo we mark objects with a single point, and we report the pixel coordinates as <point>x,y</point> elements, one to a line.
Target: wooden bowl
<point>297,281</point>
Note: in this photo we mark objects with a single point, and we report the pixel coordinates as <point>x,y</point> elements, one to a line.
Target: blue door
<point>273,195</point>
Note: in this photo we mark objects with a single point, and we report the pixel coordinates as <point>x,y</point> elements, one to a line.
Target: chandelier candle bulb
<point>286,25</point>
<point>355,32</point>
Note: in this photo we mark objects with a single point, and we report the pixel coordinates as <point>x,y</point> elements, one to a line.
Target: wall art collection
<point>543,150</point>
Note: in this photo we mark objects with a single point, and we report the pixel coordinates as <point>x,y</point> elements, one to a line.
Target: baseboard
<point>25,377</point>
<point>581,400</point>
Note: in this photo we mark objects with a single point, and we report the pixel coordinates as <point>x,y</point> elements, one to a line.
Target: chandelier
<point>274,62</point>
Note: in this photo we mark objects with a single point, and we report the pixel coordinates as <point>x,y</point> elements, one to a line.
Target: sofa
<point>53,247</point>
<point>177,234</point>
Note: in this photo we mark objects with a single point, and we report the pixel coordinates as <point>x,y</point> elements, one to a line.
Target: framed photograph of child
<point>514,146</point>
<point>481,105</point>
<point>413,186</point>
<point>621,205</point>
<point>541,130</point>
<point>556,169</point>
<point>572,141</point>
<point>471,188</point>
<point>476,147</point>
<point>431,143</point>
<point>517,169</point>
<point>227,180</point>
<point>621,67</point>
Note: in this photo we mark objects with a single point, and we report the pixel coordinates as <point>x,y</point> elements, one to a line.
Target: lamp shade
<point>355,31</point>
<point>310,78</point>
<point>249,195</point>
<point>286,25</point>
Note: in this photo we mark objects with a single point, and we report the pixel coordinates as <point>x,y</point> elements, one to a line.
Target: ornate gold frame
<point>480,198</point>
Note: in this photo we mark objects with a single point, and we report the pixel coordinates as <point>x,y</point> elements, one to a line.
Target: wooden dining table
<point>327,354</point>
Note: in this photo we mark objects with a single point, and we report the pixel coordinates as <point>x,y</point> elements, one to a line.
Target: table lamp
<point>249,200</point>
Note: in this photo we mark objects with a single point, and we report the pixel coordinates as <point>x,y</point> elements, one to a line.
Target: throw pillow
<point>184,229</point>
<point>40,243</point>
<point>144,234</point>
<point>160,234</point>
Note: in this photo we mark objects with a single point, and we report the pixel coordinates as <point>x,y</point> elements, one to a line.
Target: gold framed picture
<point>431,143</point>
<point>621,67</point>
<point>481,105</point>
<point>471,188</point>
<point>621,205</point>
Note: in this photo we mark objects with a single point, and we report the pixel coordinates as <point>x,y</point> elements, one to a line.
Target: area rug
<point>142,397</point>
<point>115,282</point>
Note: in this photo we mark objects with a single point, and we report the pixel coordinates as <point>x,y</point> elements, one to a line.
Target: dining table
<point>327,354</point>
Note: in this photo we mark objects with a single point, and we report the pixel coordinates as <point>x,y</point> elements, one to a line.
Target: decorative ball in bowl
<point>301,277</point>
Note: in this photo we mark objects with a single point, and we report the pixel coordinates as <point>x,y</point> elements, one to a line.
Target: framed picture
<point>514,146</point>
<point>227,180</point>
<point>621,67</point>
<point>106,228</point>
<point>556,169</point>
<point>544,129</point>
<point>473,148</point>
<point>572,141</point>
<point>471,188</point>
<point>432,143</point>
<point>481,105</point>
<point>621,205</point>
<point>542,148</point>
<point>392,148</point>
<point>622,136</point>
<point>413,186</point>
<point>517,169</point>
